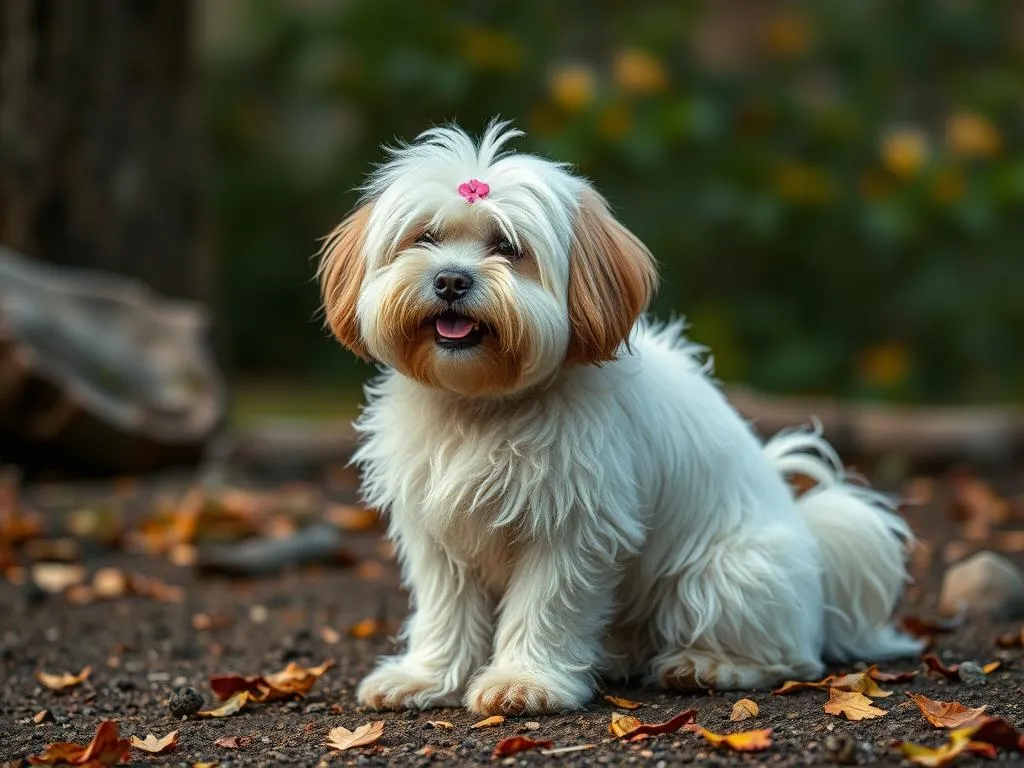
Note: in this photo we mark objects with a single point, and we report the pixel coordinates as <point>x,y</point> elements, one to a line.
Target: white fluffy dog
<point>570,493</point>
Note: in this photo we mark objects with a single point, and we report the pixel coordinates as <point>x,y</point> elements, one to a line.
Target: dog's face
<point>481,273</point>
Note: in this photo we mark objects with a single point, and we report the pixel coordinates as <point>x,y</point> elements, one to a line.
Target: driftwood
<point>98,371</point>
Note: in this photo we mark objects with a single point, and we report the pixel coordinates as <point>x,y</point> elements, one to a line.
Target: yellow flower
<point>971,135</point>
<point>884,364</point>
<point>636,71</point>
<point>572,87</point>
<point>486,48</point>
<point>803,183</point>
<point>787,36</point>
<point>615,121</point>
<point>904,151</point>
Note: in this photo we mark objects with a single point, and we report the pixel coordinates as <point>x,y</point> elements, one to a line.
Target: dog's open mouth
<point>455,331</point>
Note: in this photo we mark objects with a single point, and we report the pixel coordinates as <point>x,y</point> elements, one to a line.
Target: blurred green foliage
<point>834,188</point>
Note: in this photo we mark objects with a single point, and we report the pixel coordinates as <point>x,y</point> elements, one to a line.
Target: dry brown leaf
<point>64,680</point>
<point>341,738</point>
<point>946,714</point>
<point>1011,639</point>
<point>294,681</point>
<point>998,732</point>
<point>745,741</point>
<point>960,741</point>
<point>353,519</point>
<point>918,627</point>
<point>487,722</point>
<point>230,707</point>
<point>623,724</point>
<point>623,703</point>
<point>228,742</point>
<point>440,724</point>
<point>934,664</point>
<point>859,682</point>
<point>516,744</point>
<point>106,748</point>
<point>642,730</point>
<point>744,709</point>
<point>991,667</point>
<point>156,746</point>
<point>891,677</point>
<point>853,705</point>
<point>42,716</point>
<point>367,628</point>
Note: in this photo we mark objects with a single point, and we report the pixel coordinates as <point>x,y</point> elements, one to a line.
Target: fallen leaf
<point>366,629</point>
<point>487,722</point>
<point>62,681</point>
<point>946,714</point>
<point>516,744</point>
<point>857,682</point>
<point>440,724</point>
<point>352,519</point>
<point>330,635</point>
<point>154,745</point>
<point>891,677</point>
<point>54,578</point>
<point>294,681</point>
<point>998,732</point>
<point>341,738</point>
<point>745,741</point>
<point>960,741</point>
<point>934,664</point>
<point>106,748</point>
<point>744,709</point>
<point>228,742</point>
<point>1011,639</point>
<point>230,707</point>
<point>621,724</point>
<point>207,764</point>
<point>623,703</point>
<point>853,705</point>
<point>991,667</point>
<point>42,716</point>
<point>654,729</point>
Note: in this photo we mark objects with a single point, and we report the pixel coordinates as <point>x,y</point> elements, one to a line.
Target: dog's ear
<point>341,272</point>
<point>612,277</point>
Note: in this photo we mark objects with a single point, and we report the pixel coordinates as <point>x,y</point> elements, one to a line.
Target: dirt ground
<point>141,649</point>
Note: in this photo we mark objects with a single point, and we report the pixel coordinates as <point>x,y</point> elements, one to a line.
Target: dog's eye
<point>504,247</point>
<point>428,238</point>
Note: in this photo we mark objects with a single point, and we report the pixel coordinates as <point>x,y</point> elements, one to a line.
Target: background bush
<point>834,188</point>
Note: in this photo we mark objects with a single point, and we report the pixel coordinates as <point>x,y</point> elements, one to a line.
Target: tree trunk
<point>98,139</point>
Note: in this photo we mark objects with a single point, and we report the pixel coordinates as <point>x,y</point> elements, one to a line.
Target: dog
<point>570,494</point>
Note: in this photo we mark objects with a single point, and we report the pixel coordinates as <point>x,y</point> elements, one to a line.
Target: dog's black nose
<point>450,285</point>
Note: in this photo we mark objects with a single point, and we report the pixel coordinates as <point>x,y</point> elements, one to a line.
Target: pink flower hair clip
<point>474,190</point>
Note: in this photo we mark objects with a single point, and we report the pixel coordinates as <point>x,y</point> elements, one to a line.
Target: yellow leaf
<point>156,746</point>
<point>959,742</point>
<point>904,151</point>
<point>946,714</point>
<point>623,703</point>
<point>62,681</point>
<point>342,738</point>
<point>487,722</point>
<point>860,682</point>
<point>623,724</point>
<point>230,707</point>
<point>444,724</point>
<point>853,705</point>
<point>744,709</point>
<point>209,764</point>
<point>991,667</point>
<point>745,741</point>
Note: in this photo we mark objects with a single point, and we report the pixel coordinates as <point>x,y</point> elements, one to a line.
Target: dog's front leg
<point>448,634</point>
<point>548,643</point>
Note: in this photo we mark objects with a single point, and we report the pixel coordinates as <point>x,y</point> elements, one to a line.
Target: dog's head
<point>481,272</point>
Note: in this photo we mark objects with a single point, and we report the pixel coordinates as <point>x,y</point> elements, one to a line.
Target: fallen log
<point>100,373</point>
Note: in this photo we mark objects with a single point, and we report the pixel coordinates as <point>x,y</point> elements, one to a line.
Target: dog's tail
<point>863,546</point>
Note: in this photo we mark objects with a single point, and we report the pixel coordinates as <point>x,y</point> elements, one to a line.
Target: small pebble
<point>840,748</point>
<point>531,725</point>
<point>185,701</point>
<point>971,673</point>
<point>318,706</point>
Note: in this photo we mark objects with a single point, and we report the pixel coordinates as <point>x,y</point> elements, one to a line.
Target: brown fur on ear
<point>612,277</point>
<point>341,273</point>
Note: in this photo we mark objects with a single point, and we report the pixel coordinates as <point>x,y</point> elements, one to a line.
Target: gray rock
<point>986,584</point>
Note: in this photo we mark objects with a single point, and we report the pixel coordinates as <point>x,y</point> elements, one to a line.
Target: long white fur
<point>618,520</point>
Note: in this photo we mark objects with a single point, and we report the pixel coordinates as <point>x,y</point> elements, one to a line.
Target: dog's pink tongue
<point>455,328</point>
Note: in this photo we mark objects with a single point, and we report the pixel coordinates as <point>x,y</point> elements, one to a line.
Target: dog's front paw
<point>402,685</point>
<point>506,691</point>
